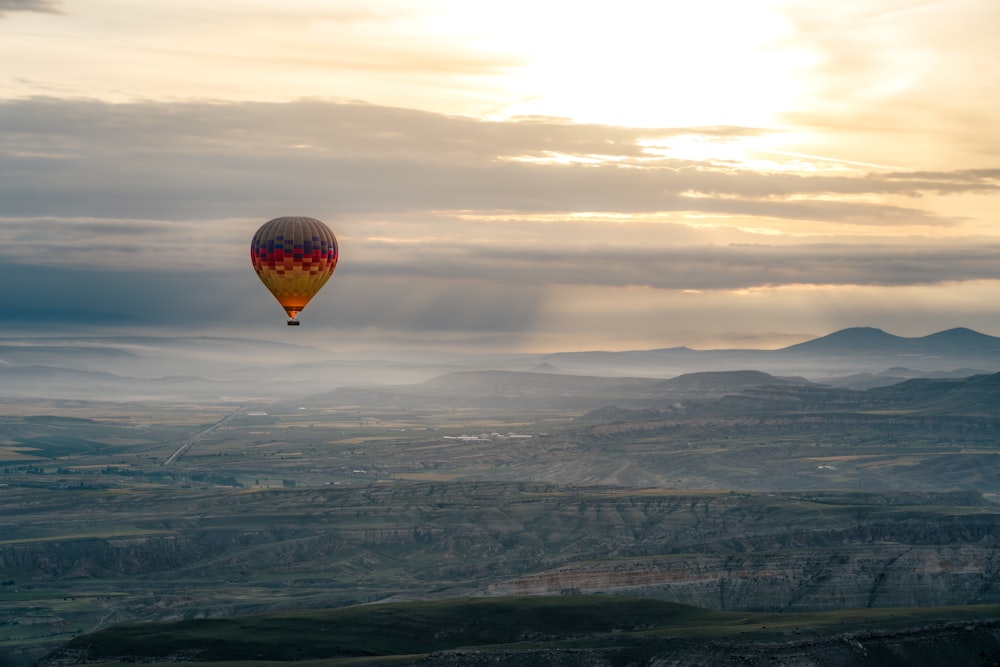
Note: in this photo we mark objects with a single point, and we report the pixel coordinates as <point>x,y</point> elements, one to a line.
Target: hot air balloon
<point>294,257</point>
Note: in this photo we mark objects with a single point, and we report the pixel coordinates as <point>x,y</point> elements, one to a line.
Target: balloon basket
<point>293,323</point>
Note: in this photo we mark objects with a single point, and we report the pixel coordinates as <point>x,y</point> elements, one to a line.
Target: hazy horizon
<point>357,344</point>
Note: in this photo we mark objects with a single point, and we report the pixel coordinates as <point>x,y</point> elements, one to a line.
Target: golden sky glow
<point>745,135</point>
<point>829,73</point>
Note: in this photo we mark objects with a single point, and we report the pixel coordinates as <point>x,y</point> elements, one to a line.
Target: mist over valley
<point>178,368</point>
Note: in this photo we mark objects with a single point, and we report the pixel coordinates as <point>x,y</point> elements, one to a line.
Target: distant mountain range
<point>868,340</point>
<point>948,377</point>
<point>710,392</point>
<point>240,369</point>
<point>529,390</point>
<point>846,352</point>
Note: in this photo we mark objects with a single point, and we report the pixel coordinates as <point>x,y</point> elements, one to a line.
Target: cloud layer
<point>155,160</point>
<point>43,6</point>
<point>445,222</point>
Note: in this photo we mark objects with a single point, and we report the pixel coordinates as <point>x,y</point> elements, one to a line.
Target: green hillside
<point>409,630</point>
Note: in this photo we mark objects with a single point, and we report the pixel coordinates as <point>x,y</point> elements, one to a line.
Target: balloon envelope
<point>294,257</point>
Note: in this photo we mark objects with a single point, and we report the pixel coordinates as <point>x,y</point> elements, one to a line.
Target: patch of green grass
<point>372,632</point>
<point>377,661</point>
<point>389,629</point>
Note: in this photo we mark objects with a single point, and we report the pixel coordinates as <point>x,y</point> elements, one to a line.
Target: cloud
<point>687,266</point>
<point>234,298</point>
<point>140,214</point>
<point>41,6</point>
<point>126,244</point>
<point>897,82</point>
<point>479,255</point>
<point>393,51</point>
<point>496,283</point>
<point>204,160</point>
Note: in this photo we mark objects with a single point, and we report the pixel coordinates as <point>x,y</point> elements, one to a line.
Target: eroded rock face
<point>883,575</point>
<point>730,551</point>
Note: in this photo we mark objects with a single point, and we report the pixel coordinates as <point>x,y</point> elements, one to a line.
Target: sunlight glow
<point>643,64</point>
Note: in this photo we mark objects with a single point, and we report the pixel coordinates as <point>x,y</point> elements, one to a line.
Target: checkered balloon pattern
<point>294,257</point>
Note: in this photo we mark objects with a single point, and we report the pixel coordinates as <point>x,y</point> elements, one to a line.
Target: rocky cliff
<point>174,555</point>
<point>851,576</point>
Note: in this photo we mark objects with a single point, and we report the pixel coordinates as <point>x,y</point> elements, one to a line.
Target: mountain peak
<point>853,339</point>
<point>862,340</point>
<point>963,340</point>
<point>958,333</point>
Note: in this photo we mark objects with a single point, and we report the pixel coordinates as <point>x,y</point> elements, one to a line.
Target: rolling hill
<point>547,391</point>
<point>844,352</point>
<point>575,630</point>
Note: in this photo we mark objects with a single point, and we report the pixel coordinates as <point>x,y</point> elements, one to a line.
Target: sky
<point>517,176</point>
